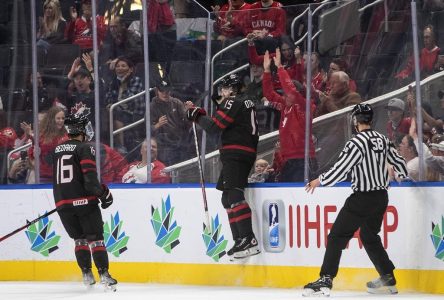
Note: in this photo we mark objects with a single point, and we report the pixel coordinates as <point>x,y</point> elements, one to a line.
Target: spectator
<point>292,126</point>
<point>22,169</point>
<point>291,59</point>
<point>81,100</point>
<point>266,18</point>
<point>169,124</point>
<point>261,171</point>
<point>427,58</point>
<point>265,112</point>
<point>339,64</point>
<point>340,95</point>
<point>44,103</point>
<point>397,122</point>
<point>230,18</point>
<point>265,23</point>
<point>319,76</point>
<point>407,149</point>
<point>113,164</point>
<point>79,30</point>
<point>160,17</point>
<point>52,26</point>
<point>125,84</point>
<point>436,125</point>
<point>121,42</point>
<point>137,172</point>
<point>7,134</point>
<point>52,133</point>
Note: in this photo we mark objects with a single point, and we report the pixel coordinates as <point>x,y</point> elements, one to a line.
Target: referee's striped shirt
<point>366,156</point>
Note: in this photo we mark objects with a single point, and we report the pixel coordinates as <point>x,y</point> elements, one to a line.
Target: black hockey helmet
<point>233,81</point>
<point>362,113</point>
<point>76,124</point>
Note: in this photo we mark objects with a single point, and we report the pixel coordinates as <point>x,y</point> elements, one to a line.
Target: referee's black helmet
<point>362,113</point>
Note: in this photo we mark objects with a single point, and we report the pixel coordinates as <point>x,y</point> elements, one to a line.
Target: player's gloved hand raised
<point>106,198</point>
<point>195,112</point>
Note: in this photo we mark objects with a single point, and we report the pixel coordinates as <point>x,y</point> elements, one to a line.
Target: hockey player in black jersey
<point>77,194</point>
<point>235,118</point>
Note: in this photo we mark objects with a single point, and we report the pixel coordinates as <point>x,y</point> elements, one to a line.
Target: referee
<point>366,156</point>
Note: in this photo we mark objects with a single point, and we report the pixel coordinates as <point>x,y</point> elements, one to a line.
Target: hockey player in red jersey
<point>235,118</point>
<point>77,194</point>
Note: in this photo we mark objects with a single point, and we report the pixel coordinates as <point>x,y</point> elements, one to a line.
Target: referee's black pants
<point>364,210</point>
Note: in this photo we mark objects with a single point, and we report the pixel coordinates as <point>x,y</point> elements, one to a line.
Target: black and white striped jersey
<point>366,155</point>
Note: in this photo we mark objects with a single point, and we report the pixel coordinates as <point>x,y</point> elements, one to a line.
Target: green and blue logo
<point>41,238</point>
<point>115,238</point>
<point>165,227</point>
<point>214,240</point>
<point>438,239</point>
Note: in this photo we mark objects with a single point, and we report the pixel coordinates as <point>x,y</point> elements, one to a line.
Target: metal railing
<point>10,153</point>
<point>111,117</point>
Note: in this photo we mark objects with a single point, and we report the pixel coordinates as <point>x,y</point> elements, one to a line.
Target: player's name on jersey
<point>61,148</point>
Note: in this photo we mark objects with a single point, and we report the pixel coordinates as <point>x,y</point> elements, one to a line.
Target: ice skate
<point>231,251</point>
<point>108,282</point>
<point>246,247</point>
<point>386,284</point>
<point>88,278</point>
<point>319,288</point>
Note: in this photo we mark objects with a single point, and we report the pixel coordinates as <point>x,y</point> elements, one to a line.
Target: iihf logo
<point>273,225</point>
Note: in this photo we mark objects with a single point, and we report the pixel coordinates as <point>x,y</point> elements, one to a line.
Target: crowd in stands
<point>275,81</point>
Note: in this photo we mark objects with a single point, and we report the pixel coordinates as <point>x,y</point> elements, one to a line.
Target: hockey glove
<point>195,112</point>
<point>106,198</point>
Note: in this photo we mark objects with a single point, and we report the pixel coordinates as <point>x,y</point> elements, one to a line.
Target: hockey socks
<point>240,218</point>
<point>83,254</point>
<point>99,255</point>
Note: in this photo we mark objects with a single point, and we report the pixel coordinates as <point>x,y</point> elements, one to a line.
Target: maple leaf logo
<point>81,109</point>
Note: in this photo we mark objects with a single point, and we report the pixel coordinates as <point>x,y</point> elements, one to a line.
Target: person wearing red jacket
<point>160,17</point>
<point>113,164</point>
<point>230,18</point>
<point>137,172</point>
<point>428,58</point>
<point>266,18</point>
<point>79,30</point>
<point>292,124</point>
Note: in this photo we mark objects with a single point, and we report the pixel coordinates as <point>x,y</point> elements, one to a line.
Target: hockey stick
<point>202,179</point>
<point>28,223</point>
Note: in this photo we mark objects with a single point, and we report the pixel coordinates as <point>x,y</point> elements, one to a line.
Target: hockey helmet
<point>233,81</point>
<point>76,124</point>
<point>362,113</point>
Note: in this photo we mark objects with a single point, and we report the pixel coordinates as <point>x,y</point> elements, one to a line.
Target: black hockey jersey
<point>236,118</point>
<point>75,175</point>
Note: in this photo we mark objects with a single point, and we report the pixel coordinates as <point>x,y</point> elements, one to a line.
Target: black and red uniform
<point>235,117</point>
<point>76,191</point>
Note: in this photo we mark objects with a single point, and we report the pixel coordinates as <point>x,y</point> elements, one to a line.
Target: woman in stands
<point>52,25</point>
<point>125,84</point>
<point>52,133</point>
<point>291,59</point>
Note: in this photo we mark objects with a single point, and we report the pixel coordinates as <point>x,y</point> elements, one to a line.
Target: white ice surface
<point>75,290</point>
